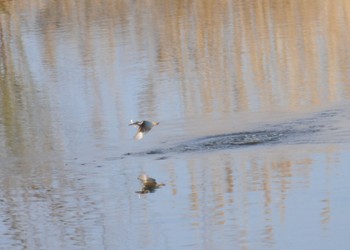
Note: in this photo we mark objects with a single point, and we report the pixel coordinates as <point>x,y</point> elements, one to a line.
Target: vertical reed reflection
<point>252,188</point>
<point>202,56</point>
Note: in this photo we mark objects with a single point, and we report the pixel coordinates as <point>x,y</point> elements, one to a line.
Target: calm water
<point>253,99</point>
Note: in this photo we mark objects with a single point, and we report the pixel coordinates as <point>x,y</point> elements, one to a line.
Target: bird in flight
<point>143,128</point>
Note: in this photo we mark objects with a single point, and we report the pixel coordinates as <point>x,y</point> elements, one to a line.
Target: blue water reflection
<point>253,141</point>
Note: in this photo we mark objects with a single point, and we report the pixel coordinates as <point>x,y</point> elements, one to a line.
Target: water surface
<point>253,99</point>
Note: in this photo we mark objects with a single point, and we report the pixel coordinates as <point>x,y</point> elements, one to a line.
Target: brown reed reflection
<point>81,68</point>
<point>229,56</point>
<point>223,191</point>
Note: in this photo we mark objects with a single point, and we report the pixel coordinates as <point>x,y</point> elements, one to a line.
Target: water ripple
<point>316,128</point>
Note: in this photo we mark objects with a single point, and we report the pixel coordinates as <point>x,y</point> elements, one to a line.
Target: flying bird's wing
<point>135,124</point>
<point>139,135</point>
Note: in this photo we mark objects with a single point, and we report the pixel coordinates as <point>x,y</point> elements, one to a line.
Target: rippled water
<point>253,146</point>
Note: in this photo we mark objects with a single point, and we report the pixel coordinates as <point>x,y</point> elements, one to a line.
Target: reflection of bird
<point>149,184</point>
<point>144,127</point>
<point>147,181</point>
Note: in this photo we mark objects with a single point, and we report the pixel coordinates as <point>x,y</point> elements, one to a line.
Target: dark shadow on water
<point>227,141</point>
